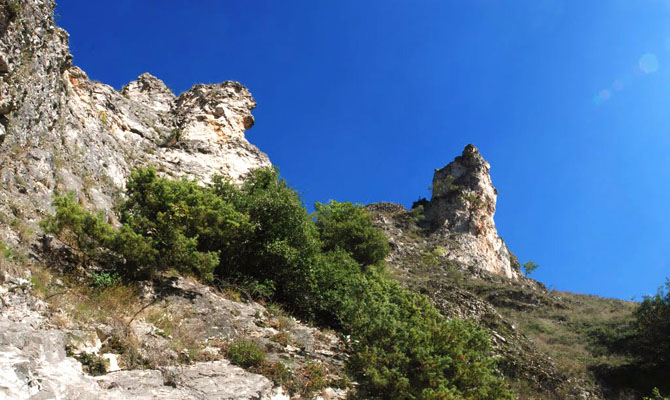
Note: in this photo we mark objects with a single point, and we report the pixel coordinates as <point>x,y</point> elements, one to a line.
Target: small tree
<point>348,227</point>
<point>529,267</point>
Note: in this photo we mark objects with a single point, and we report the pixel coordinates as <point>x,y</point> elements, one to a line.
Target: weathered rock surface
<point>462,207</point>
<point>34,363</point>
<point>457,222</point>
<point>61,131</point>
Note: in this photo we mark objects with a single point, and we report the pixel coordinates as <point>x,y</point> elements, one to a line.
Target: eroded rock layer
<point>60,131</point>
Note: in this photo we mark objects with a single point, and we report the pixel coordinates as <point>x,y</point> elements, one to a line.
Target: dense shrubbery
<point>347,226</point>
<point>327,267</point>
<point>652,326</point>
<point>646,342</point>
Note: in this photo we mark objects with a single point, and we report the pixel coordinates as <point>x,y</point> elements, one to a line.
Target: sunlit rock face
<point>462,207</point>
<point>61,131</point>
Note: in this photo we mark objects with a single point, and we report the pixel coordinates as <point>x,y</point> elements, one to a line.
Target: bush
<point>102,279</point>
<point>652,324</point>
<point>402,347</point>
<point>282,243</point>
<point>348,227</point>
<point>529,267</point>
<point>184,224</point>
<point>93,364</point>
<point>87,233</point>
<point>246,354</point>
<point>645,340</point>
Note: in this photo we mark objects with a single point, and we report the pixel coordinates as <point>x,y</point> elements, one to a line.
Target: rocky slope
<point>60,131</point>
<point>448,249</point>
<point>169,346</point>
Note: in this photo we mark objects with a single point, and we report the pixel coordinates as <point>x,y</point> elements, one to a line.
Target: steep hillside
<point>448,248</point>
<point>72,325</point>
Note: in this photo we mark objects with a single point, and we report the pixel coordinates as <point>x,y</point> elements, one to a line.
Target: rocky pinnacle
<point>462,207</point>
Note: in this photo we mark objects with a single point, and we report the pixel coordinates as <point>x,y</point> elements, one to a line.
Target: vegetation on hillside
<point>645,341</point>
<point>327,267</point>
<point>550,344</point>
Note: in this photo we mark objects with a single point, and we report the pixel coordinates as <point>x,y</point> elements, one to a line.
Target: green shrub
<point>417,213</point>
<point>245,353</point>
<point>93,364</point>
<point>144,244</point>
<point>402,347</point>
<point>282,243</point>
<point>348,227</point>
<point>184,223</point>
<point>652,324</point>
<point>103,279</point>
<point>529,267</point>
<point>87,233</point>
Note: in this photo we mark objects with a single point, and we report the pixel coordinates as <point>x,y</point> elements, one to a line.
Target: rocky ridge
<point>60,131</point>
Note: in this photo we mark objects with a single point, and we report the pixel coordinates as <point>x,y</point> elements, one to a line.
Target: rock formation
<point>462,207</point>
<point>457,223</point>
<point>60,131</point>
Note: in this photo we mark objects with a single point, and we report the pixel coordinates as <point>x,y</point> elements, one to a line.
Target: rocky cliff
<point>60,131</point>
<point>461,208</point>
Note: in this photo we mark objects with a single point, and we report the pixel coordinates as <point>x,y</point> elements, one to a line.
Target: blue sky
<point>361,100</point>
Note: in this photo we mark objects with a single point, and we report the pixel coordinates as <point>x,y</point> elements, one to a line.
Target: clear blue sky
<point>361,101</point>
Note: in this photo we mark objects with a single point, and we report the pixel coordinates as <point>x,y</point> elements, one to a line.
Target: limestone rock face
<point>462,207</point>
<point>151,92</point>
<point>60,131</point>
<point>210,123</point>
<point>456,226</point>
<point>34,364</point>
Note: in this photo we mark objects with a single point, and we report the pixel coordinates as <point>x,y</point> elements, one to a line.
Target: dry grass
<point>12,262</point>
<point>182,337</point>
<point>567,331</point>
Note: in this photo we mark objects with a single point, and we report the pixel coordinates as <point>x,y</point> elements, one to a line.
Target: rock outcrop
<point>60,131</point>
<point>461,209</point>
<point>456,224</point>
<point>34,363</point>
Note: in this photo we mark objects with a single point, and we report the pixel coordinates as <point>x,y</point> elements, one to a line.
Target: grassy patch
<point>245,353</point>
<point>564,326</point>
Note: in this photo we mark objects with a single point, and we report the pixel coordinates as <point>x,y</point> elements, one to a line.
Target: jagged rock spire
<point>462,206</point>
